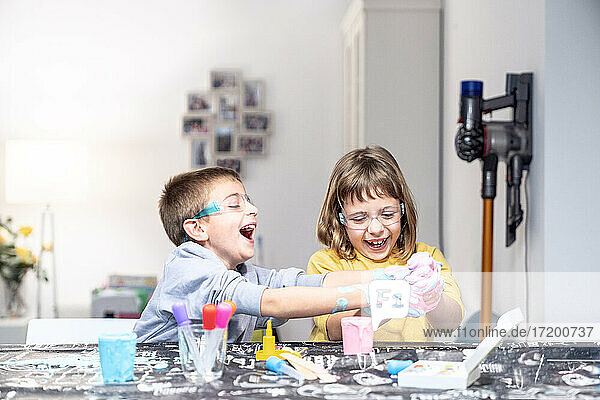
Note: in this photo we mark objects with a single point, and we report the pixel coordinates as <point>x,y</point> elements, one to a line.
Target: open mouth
<point>376,244</point>
<point>247,231</point>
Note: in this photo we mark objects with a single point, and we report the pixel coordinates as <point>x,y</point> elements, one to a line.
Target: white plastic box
<point>457,375</point>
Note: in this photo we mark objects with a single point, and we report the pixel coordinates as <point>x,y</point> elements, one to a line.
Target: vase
<point>14,304</point>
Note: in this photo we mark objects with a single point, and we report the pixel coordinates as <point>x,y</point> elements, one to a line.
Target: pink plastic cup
<point>357,333</point>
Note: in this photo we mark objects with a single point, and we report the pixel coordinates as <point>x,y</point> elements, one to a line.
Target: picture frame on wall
<point>234,163</point>
<point>224,138</point>
<point>257,121</point>
<point>253,94</point>
<point>201,152</point>
<point>228,106</point>
<point>225,79</point>
<point>200,102</point>
<point>196,125</point>
<point>226,123</point>
<point>252,145</point>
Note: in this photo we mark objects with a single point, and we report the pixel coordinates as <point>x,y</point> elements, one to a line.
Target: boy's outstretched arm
<point>347,278</point>
<point>301,302</point>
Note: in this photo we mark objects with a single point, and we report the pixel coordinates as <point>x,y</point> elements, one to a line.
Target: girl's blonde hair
<point>370,172</point>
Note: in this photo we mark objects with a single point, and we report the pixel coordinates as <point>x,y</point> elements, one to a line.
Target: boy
<point>210,265</point>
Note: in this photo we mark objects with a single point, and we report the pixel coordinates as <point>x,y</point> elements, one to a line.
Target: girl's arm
<point>334,323</point>
<point>447,314</point>
<point>301,302</point>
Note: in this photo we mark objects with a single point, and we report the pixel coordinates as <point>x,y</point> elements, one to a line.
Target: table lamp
<point>45,172</point>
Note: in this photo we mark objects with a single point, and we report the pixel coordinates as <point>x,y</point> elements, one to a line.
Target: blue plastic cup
<point>117,353</point>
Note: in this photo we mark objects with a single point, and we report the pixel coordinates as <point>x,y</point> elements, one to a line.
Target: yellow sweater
<point>401,329</point>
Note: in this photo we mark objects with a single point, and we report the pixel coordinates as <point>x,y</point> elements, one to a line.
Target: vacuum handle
<point>488,176</point>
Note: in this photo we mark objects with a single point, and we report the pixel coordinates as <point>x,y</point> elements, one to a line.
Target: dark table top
<point>515,371</point>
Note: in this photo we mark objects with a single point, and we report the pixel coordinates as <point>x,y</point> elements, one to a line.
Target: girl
<point>368,220</point>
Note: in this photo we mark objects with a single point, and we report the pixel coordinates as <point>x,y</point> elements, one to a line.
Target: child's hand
<point>423,274</point>
<point>396,271</point>
<point>426,283</point>
<point>421,303</point>
<point>432,298</point>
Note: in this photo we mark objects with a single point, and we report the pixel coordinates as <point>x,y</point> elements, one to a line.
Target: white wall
<point>114,75</point>
<point>571,160</point>
<point>559,41</point>
<point>402,100</point>
<point>484,40</point>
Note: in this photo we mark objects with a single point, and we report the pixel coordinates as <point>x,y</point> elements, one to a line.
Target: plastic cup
<point>117,354</point>
<point>212,348</point>
<point>357,334</point>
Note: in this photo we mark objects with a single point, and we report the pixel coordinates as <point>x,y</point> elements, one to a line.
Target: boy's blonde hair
<point>371,172</point>
<point>184,195</point>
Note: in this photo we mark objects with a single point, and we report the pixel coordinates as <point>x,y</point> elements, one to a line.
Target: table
<point>513,371</point>
<point>14,330</point>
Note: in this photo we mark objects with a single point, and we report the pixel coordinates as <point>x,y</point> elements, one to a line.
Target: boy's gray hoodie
<point>196,276</point>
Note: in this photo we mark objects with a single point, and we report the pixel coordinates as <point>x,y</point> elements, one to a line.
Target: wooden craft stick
<point>321,373</point>
<point>306,373</point>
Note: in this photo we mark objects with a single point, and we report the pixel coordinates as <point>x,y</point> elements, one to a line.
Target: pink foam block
<point>357,333</point>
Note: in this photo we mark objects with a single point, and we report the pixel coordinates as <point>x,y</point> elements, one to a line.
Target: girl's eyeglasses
<point>361,220</point>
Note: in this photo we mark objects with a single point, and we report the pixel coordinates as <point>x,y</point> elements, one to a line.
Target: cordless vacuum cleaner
<point>493,141</point>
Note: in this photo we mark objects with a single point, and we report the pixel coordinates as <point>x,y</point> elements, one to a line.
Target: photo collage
<point>227,123</point>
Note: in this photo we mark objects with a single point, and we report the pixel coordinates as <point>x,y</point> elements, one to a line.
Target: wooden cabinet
<point>392,93</point>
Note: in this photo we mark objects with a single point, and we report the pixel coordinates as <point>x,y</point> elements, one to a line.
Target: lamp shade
<point>45,171</point>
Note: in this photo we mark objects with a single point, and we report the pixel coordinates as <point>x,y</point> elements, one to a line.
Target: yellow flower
<point>4,235</point>
<point>24,255</point>
<point>25,230</point>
